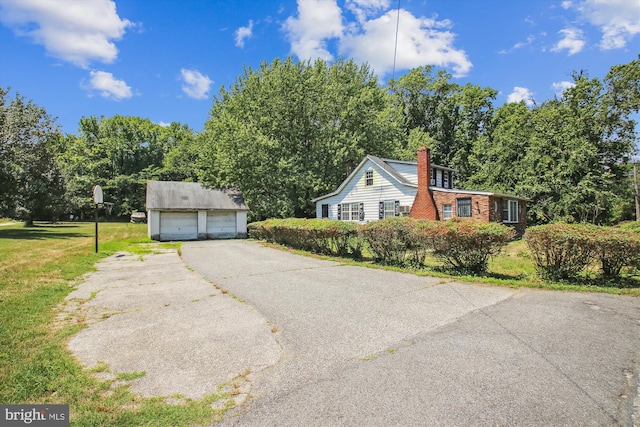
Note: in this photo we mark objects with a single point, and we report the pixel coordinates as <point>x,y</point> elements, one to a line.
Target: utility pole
<point>635,184</point>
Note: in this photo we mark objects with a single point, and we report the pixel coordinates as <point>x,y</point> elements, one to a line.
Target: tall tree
<point>497,157</point>
<point>571,154</point>
<point>454,116</point>
<point>32,185</point>
<point>119,153</point>
<point>290,131</point>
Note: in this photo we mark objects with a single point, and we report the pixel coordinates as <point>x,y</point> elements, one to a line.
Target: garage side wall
<point>241,224</point>
<point>153,224</point>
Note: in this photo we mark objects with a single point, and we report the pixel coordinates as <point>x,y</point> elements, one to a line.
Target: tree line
<point>289,131</point>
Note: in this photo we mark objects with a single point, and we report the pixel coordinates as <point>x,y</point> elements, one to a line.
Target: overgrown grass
<point>38,267</point>
<point>513,267</point>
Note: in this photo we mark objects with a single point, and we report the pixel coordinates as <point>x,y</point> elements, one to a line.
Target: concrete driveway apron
<point>363,346</point>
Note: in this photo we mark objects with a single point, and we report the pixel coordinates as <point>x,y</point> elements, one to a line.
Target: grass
<point>39,267</point>
<point>513,268</point>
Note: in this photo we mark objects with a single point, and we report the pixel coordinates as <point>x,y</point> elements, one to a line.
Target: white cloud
<point>619,20</point>
<point>371,39</point>
<point>362,9</point>
<point>519,45</point>
<point>420,41</point>
<point>521,94</point>
<point>196,85</point>
<point>78,31</point>
<point>566,4</point>
<point>164,124</point>
<point>108,86</point>
<point>243,33</point>
<point>317,22</point>
<point>560,87</point>
<point>573,41</point>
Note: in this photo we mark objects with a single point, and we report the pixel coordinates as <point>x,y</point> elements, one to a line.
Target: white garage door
<point>221,225</point>
<point>178,225</point>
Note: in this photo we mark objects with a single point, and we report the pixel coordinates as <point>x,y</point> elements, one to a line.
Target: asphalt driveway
<point>368,347</point>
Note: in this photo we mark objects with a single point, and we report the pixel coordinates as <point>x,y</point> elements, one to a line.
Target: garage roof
<point>172,195</point>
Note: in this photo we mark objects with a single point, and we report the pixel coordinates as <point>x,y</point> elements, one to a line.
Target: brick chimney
<point>423,206</point>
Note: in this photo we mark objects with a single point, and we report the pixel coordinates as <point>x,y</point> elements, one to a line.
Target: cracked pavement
<point>364,346</point>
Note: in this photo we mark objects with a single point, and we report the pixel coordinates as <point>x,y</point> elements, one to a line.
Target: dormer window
<point>368,175</point>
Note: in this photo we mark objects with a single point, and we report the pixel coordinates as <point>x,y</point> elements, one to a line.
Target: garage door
<point>221,225</point>
<point>178,225</point>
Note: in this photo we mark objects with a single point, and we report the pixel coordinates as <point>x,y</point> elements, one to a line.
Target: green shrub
<point>389,239</point>
<point>630,226</point>
<point>560,251</point>
<point>464,244</point>
<point>321,236</point>
<point>616,249</point>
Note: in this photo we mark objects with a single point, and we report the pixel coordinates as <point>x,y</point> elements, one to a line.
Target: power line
<point>395,48</point>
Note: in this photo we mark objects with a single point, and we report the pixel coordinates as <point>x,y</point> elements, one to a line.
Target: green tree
<point>454,116</point>
<point>32,185</point>
<point>120,154</point>
<point>497,157</point>
<point>290,131</point>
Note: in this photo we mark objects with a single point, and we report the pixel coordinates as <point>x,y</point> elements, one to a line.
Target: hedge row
<point>563,251</point>
<point>329,237</point>
<point>464,245</point>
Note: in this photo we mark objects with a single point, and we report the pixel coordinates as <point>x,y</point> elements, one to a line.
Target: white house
<point>190,211</point>
<point>378,188</point>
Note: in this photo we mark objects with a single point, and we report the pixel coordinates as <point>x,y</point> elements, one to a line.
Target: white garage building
<point>190,211</point>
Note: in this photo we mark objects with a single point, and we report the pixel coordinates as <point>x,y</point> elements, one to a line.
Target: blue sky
<point>166,59</point>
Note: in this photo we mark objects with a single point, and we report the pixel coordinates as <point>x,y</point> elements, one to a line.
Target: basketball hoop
<point>107,207</point>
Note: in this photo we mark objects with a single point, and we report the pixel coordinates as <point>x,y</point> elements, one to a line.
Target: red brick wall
<point>423,206</point>
<point>483,208</point>
<point>480,204</point>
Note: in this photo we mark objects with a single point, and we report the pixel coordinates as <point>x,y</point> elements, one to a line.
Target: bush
<point>464,244</point>
<point>322,236</point>
<point>562,251</point>
<point>616,249</point>
<point>389,239</point>
<point>630,226</point>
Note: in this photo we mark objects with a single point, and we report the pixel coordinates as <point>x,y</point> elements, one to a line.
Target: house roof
<point>385,165</point>
<point>172,195</point>
<point>479,192</point>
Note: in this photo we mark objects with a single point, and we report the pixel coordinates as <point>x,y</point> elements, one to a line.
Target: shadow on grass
<point>41,232</point>
<point>625,282</point>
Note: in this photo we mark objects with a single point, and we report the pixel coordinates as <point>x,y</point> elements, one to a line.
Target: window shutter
<point>361,208</point>
<point>396,206</point>
<point>339,211</point>
<point>380,210</point>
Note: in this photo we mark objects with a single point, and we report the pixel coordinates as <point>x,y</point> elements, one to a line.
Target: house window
<point>463,207</point>
<point>368,175</point>
<point>389,208</point>
<point>447,211</point>
<point>325,211</point>
<point>510,212</point>
<point>350,212</point>
<point>439,178</point>
<point>446,179</point>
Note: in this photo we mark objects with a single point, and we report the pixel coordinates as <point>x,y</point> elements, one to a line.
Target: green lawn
<point>513,267</point>
<point>39,266</point>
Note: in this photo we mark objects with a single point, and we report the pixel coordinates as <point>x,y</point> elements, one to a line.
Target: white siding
<point>409,171</point>
<point>383,188</point>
